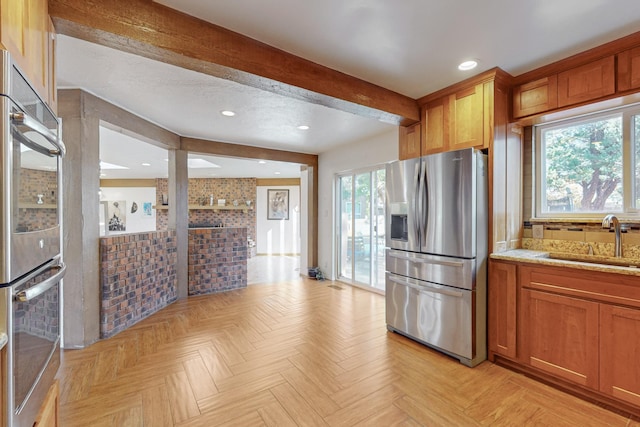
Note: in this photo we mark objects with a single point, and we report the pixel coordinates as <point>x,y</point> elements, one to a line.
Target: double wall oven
<point>31,266</point>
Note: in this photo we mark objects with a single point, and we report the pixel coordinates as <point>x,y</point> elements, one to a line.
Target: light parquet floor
<point>296,353</point>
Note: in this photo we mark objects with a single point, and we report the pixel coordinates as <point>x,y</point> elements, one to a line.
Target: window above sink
<point>588,166</point>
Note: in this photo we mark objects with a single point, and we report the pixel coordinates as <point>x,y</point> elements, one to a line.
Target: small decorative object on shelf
<point>211,200</point>
<point>222,202</point>
<point>235,203</point>
<point>40,201</point>
<point>248,203</point>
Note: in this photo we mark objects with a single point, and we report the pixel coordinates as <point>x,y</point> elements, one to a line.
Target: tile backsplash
<point>580,238</point>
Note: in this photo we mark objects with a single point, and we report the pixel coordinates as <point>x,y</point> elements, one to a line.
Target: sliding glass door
<point>360,224</point>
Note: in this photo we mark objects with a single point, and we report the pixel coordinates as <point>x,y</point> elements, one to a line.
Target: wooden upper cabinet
<point>502,303</point>
<point>410,142</point>
<point>587,82</point>
<point>436,126</point>
<point>535,97</point>
<point>24,32</point>
<point>52,42</point>
<point>12,17</point>
<point>619,350</point>
<point>629,69</point>
<point>467,124</point>
<point>458,120</point>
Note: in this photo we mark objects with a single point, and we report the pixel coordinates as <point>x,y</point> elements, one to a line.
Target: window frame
<point>628,163</point>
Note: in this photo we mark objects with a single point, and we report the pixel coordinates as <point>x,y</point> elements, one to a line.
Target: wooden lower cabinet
<point>620,352</point>
<point>577,329</point>
<point>502,303</point>
<point>49,411</point>
<point>562,336</point>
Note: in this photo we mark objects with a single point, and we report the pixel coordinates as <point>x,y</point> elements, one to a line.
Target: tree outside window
<point>582,166</point>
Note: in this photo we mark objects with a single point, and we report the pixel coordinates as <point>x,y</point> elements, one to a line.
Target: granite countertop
<point>542,258</point>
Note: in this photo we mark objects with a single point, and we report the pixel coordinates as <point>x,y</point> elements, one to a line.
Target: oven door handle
<point>42,287</point>
<point>28,121</point>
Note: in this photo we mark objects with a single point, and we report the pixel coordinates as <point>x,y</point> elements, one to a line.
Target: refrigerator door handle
<point>424,207</point>
<point>404,256</point>
<point>416,209</point>
<point>426,289</point>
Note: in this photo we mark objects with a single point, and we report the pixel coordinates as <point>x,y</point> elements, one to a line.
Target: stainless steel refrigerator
<point>436,256</point>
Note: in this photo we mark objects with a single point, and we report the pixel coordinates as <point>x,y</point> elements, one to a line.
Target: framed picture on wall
<point>277,204</point>
<point>117,215</point>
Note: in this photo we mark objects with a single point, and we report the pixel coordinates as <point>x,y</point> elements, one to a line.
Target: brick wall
<point>137,278</point>
<point>217,260</point>
<point>200,189</point>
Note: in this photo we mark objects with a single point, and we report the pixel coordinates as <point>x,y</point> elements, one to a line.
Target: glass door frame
<point>338,255</point>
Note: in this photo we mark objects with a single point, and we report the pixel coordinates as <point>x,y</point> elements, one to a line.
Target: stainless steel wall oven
<point>31,266</point>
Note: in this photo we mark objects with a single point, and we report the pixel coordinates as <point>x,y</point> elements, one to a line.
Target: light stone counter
<point>542,258</point>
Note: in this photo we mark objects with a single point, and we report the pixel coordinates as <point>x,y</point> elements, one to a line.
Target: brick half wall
<point>217,260</point>
<point>137,278</point>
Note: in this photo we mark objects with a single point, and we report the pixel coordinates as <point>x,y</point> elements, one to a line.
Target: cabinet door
<point>588,82</point>
<point>24,32</point>
<point>502,308</point>
<point>562,336</point>
<point>48,415</point>
<point>37,45</point>
<point>629,69</point>
<point>437,123</point>
<point>619,352</point>
<point>535,97</point>
<point>467,118</point>
<point>12,15</point>
<point>409,142</point>
<point>51,71</point>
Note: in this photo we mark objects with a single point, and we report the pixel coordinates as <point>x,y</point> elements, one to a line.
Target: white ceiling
<point>409,46</point>
<point>123,150</point>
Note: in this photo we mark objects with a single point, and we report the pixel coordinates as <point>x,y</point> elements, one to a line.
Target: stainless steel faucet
<point>607,222</point>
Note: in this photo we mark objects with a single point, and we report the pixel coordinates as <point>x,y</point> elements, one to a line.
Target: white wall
<point>275,237</point>
<point>376,151</point>
<point>136,222</point>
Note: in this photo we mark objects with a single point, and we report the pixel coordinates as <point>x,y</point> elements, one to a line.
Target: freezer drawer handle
<point>44,286</point>
<point>424,289</point>
<point>400,255</point>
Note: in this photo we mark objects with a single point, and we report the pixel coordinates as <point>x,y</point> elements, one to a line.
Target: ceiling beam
<point>154,31</point>
<point>195,145</point>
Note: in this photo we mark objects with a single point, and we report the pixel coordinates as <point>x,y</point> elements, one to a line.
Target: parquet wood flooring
<point>296,353</point>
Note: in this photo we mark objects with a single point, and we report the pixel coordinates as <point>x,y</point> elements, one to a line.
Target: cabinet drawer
<point>593,285</point>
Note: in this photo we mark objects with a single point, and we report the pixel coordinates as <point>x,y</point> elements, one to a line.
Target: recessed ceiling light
<point>146,164</point>
<point>468,65</point>
<point>303,127</point>
<point>276,173</point>
<point>262,162</point>
<point>227,113</point>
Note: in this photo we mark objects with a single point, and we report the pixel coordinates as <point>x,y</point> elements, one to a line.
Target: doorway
<point>360,227</point>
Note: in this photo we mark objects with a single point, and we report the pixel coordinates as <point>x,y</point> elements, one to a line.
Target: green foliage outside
<point>584,165</point>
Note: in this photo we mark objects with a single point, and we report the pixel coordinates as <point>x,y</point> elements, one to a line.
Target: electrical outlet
<point>538,231</point>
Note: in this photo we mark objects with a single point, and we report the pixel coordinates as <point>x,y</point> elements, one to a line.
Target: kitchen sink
<point>596,259</point>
